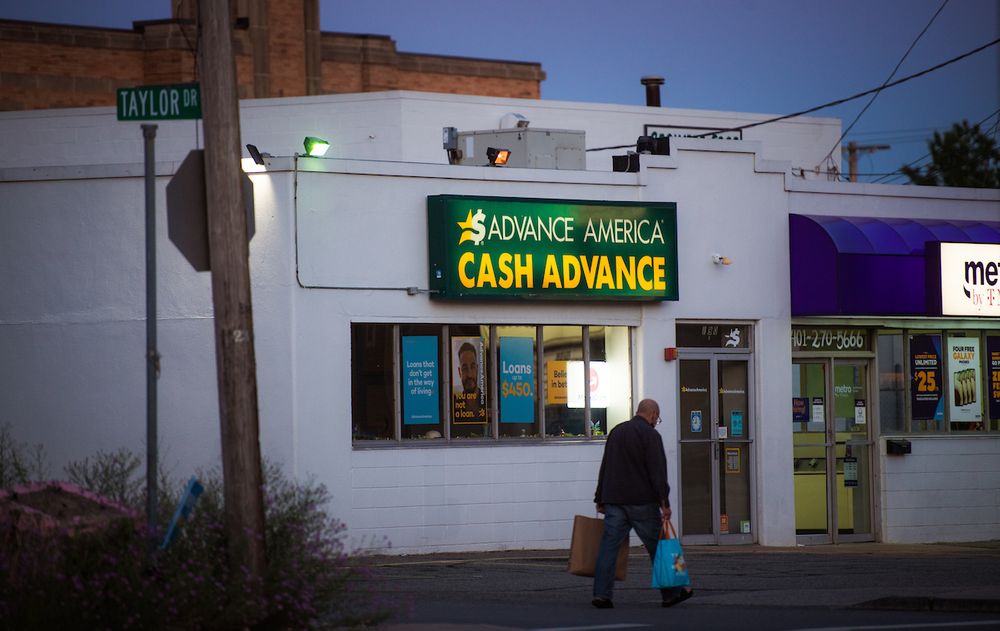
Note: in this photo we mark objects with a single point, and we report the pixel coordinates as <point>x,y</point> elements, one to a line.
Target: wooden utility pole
<point>853,149</point>
<point>229,259</point>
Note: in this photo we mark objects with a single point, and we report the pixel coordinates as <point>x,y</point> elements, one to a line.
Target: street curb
<point>923,603</point>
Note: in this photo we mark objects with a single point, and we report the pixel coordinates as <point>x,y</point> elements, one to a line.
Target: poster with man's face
<point>468,383</point>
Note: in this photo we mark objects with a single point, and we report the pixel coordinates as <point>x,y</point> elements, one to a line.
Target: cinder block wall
<point>947,489</point>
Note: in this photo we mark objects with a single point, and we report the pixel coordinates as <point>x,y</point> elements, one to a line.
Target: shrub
<point>19,463</point>
<point>109,579</point>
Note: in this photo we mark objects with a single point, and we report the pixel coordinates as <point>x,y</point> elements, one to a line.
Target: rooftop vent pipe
<point>652,84</point>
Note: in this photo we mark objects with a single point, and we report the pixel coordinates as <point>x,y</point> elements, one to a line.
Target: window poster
<point>420,380</point>
<point>860,412</point>
<point>963,370</point>
<point>926,401</point>
<point>555,374</point>
<point>993,359</point>
<point>600,390</point>
<point>517,380</point>
<point>736,421</point>
<point>732,459</point>
<point>818,410</point>
<point>800,409</point>
<point>468,382</point>
<point>850,471</point>
<point>696,421</point>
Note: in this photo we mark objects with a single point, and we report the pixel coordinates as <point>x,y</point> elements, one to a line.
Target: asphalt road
<point>855,586</point>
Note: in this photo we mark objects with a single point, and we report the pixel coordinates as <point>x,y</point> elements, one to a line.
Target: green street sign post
<point>154,103</point>
<point>530,249</point>
<point>160,102</point>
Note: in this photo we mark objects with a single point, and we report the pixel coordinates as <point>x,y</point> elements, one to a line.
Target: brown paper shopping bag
<point>585,544</point>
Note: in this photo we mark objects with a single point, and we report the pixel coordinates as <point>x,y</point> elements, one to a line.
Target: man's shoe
<point>679,597</point>
<point>602,603</point>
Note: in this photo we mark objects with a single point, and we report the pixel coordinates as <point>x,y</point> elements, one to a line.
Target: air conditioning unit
<point>529,148</point>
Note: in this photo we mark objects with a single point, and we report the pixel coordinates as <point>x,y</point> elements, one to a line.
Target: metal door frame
<point>830,362</point>
<point>714,356</point>
<point>869,441</point>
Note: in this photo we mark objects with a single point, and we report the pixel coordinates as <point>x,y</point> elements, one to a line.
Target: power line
<point>899,172</point>
<point>831,103</point>
<point>856,96</point>
<point>887,80</point>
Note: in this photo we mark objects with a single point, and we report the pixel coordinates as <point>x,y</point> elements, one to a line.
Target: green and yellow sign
<point>499,247</point>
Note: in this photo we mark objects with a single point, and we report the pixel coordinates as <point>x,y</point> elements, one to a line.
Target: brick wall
<point>45,65</point>
<point>286,48</point>
<point>281,53</point>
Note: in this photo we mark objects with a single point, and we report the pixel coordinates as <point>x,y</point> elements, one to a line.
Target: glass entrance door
<point>716,426</point>
<point>853,447</point>
<point>832,450</point>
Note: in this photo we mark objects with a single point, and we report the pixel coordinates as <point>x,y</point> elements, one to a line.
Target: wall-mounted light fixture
<point>718,259</point>
<point>497,157</point>
<point>315,147</point>
<point>258,157</point>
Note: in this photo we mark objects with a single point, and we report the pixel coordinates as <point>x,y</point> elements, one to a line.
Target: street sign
<point>187,222</point>
<point>160,102</point>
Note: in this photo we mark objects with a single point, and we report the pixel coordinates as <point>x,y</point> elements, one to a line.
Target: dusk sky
<point>763,56</point>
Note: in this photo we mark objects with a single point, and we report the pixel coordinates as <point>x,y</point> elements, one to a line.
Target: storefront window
<point>563,348</point>
<point>517,383</point>
<point>891,383</point>
<point>427,382</point>
<point>939,381</point>
<point>420,380</point>
<point>610,378</point>
<point>373,400</point>
<point>965,400</point>
<point>469,356</point>
<point>993,380</point>
<point>926,381</point>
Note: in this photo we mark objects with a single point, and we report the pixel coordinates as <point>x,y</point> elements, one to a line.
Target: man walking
<point>632,492</point>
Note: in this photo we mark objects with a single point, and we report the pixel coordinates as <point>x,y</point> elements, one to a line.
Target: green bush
<point>109,579</point>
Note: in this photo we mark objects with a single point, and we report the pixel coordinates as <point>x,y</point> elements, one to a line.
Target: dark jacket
<point>634,467</point>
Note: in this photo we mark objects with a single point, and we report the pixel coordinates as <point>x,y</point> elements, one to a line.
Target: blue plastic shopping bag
<point>669,567</point>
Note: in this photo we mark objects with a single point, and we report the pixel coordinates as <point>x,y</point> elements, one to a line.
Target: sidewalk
<point>934,577</point>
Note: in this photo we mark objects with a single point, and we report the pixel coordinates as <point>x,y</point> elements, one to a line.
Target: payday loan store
<point>451,382</point>
<point>894,337</point>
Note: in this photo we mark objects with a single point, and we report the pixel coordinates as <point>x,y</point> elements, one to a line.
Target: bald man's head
<point>649,410</point>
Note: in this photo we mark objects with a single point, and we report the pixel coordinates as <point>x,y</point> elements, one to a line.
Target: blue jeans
<point>618,520</point>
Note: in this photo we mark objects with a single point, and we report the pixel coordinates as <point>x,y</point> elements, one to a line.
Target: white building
<point>782,322</point>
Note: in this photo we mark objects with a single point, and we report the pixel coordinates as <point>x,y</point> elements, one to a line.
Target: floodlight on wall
<point>497,157</point>
<point>315,147</point>
<point>258,157</point>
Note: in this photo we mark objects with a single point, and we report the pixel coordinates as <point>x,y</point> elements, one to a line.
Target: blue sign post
<point>192,492</point>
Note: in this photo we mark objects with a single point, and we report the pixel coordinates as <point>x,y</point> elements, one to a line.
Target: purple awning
<point>868,265</point>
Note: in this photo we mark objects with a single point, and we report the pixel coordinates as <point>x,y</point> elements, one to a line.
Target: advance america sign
<point>499,247</point>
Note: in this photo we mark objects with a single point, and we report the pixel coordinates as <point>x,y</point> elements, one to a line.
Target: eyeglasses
<point>658,420</point>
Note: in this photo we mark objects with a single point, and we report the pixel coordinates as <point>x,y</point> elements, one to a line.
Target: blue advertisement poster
<point>736,420</point>
<point>517,380</point>
<point>926,401</point>
<point>420,380</point>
